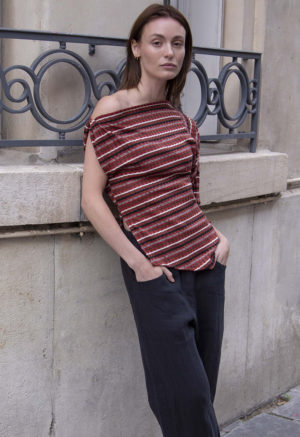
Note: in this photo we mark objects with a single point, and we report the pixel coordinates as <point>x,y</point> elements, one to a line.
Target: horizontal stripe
<point>145,139</point>
<point>176,226</point>
<point>143,188</point>
<point>137,205</point>
<point>152,155</point>
<point>176,243</point>
<point>159,214</point>
<point>179,230</point>
<point>156,202</point>
<point>154,169</point>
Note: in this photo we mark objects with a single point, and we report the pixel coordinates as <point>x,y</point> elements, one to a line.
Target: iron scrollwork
<point>96,84</point>
<point>213,91</point>
<point>32,100</point>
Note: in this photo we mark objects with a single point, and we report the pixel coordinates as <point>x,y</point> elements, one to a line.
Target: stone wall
<point>68,340</point>
<point>69,356</point>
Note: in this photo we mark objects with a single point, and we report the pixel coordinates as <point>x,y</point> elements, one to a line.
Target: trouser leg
<point>177,384</point>
<point>210,297</point>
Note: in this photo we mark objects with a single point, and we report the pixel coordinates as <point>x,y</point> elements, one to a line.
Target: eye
<point>156,43</point>
<point>178,43</point>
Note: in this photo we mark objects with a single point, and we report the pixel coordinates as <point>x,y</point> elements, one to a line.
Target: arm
<point>99,214</point>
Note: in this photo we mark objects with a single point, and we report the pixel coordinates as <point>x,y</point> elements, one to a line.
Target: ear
<point>135,48</point>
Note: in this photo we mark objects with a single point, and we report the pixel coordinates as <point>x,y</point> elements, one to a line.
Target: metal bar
<point>254,119</point>
<point>99,40</point>
<point>59,143</point>
<point>227,136</point>
<point>293,183</point>
<point>17,233</point>
<point>225,52</point>
<point>38,143</point>
<point>65,37</point>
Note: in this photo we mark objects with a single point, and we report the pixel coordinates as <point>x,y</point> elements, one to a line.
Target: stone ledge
<point>242,175</point>
<point>43,194</point>
<point>39,194</point>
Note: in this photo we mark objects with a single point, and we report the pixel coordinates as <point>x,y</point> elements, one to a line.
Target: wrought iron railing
<point>211,101</point>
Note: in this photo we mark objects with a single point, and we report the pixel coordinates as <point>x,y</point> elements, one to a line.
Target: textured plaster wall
<point>96,349</point>
<point>69,349</point>
<point>27,286</point>
<point>261,344</point>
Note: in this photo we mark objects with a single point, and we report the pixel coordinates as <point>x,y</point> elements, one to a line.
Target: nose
<point>169,50</point>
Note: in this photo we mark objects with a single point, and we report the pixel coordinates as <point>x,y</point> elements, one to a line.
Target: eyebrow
<point>162,36</point>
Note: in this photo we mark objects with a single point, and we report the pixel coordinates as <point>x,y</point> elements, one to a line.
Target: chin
<point>169,75</point>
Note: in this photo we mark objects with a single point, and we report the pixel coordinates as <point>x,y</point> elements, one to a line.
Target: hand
<point>147,271</point>
<point>222,250</point>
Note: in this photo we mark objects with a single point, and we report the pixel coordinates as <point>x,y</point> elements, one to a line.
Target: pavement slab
<point>279,421</point>
<point>266,425</point>
<point>291,409</point>
<point>230,427</point>
<point>296,388</point>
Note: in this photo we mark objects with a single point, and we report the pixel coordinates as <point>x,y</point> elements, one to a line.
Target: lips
<point>169,65</point>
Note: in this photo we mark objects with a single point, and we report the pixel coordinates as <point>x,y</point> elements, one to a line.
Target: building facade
<point>70,362</point>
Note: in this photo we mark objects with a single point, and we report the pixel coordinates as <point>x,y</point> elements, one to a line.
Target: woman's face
<point>161,48</point>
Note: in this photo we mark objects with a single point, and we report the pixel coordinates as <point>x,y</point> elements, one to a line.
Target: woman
<point>144,151</point>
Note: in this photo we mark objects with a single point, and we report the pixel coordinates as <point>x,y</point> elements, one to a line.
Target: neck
<point>151,91</point>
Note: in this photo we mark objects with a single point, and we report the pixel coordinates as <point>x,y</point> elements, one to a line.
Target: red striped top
<point>150,154</point>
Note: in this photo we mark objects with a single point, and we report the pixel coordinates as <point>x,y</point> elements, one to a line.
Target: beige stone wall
<point>69,346</point>
<point>21,126</point>
<point>280,100</point>
<point>70,363</point>
<point>100,18</point>
<point>271,27</point>
<point>244,24</point>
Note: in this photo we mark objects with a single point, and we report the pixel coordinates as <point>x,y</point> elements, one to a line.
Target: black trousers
<point>180,330</point>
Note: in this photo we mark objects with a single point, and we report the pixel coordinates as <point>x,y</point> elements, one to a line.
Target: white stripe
<point>179,214</point>
<point>190,125</point>
<point>142,186</point>
<point>160,213</point>
<point>170,227</point>
<point>135,140</point>
<point>138,196</point>
<point>150,152</point>
<point>165,203</point>
<point>136,125</point>
<point>191,253</point>
<point>152,120</point>
<point>154,198</point>
<point>178,241</point>
<point>202,265</point>
<point>145,172</point>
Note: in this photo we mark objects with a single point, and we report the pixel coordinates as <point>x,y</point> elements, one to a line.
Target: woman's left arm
<point>222,250</point>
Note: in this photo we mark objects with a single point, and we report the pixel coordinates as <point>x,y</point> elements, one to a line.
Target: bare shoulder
<point>108,104</point>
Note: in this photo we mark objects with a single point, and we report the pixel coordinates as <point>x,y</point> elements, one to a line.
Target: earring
<point>137,58</point>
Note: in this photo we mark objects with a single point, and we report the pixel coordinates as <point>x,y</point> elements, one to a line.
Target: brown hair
<point>132,72</point>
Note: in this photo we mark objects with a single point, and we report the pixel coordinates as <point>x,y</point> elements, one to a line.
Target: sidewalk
<point>277,422</point>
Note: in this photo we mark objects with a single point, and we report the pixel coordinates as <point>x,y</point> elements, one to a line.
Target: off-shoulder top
<point>150,154</point>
